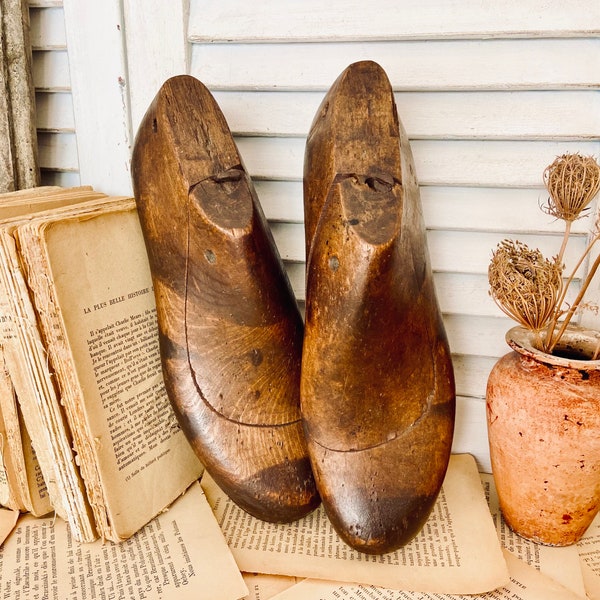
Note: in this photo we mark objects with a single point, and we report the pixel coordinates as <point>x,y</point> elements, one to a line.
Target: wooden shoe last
<point>377,388</point>
<point>229,327</point>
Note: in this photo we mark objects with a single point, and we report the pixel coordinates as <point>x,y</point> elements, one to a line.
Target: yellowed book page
<point>15,490</point>
<point>23,473</point>
<point>180,555</point>
<point>34,387</point>
<point>95,297</point>
<point>10,496</point>
<point>589,556</point>
<point>526,583</point>
<point>13,482</point>
<point>457,550</point>
<point>560,564</point>
<point>264,587</point>
<point>8,520</point>
<point>23,205</point>
<point>42,190</point>
<point>38,489</point>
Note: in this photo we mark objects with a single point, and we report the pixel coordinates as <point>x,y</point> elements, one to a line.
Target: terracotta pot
<point>543,415</point>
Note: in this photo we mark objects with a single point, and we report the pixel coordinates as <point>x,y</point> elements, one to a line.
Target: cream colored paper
<point>560,564</point>
<point>8,520</point>
<point>23,485</point>
<point>180,555</point>
<point>456,552</point>
<point>526,583</point>
<point>589,556</point>
<point>11,488</point>
<point>26,360</point>
<point>263,587</point>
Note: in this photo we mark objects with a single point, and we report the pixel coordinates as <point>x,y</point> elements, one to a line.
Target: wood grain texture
<point>229,328</point>
<point>377,386</point>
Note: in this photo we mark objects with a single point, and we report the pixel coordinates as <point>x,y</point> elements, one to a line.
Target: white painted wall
<point>490,93</point>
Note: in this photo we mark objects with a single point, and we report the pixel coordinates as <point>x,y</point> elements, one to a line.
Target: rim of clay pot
<point>576,341</point>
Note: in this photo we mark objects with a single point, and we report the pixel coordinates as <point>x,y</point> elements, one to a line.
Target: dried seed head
<point>525,285</point>
<point>572,181</point>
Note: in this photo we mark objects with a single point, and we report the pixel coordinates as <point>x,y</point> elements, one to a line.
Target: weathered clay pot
<point>543,414</point>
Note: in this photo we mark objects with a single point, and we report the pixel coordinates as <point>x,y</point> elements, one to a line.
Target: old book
<point>86,365</point>
<point>22,485</point>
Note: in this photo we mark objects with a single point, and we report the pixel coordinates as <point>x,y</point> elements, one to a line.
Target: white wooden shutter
<point>489,94</point>
<point>57,143</point>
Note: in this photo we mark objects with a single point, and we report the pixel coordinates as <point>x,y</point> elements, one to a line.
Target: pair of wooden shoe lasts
<point>356,405</point>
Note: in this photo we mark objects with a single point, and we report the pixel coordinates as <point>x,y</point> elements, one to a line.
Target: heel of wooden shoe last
<point>229,327</point>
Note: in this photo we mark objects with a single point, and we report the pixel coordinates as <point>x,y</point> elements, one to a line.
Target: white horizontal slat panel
<point>47,28</point>
<point>450,251</point>
<point>465,293</point>
<point>58,151</point>
<point>214,20</point>
<point>492,209</point>
<point>281,200</point>
<point>51,70</point>
<point>457,293</point>
<point>470,431</point>
<point>478,336</point>
<point>57,143</point>
<point>471,373</point>
<point>44,3</point>
<point>411,66</point>
<point>54,111</point>
<point>430,115</point>
<point>460,208</point>
<point>455,163</point>
<point>470,252</point>
<point>65,179</point>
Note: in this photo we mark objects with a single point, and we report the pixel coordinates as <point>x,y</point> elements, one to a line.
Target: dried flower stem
<point>563,247</point>
<point>575,304</point>
<point>529,288</point>
<point>550,344</point>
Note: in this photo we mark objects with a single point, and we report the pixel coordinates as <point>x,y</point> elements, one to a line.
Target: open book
<point>81,350</point>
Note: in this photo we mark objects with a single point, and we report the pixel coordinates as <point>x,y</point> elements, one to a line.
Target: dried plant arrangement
<point>532,289</point>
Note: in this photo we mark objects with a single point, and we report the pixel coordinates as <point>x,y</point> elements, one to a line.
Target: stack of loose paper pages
<point>83,394</point>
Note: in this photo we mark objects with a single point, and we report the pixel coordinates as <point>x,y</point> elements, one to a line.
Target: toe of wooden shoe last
<point>377,386</point>
<point>229,327</point>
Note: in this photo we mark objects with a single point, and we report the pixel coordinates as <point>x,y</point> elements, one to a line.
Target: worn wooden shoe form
<point>229,327</point>
<point>377,388</point>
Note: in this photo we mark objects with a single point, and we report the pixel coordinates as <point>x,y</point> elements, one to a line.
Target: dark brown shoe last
<point>377,388</point>
<point>229,327</point>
